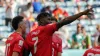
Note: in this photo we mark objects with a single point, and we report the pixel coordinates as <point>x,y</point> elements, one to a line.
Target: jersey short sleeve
<point>18,45</point>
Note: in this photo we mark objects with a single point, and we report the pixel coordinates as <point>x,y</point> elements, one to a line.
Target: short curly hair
<point>43,15</point>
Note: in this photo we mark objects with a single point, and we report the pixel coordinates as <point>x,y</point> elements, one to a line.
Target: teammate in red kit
<point>14,43</point>
<point>93,51</point>
<point>39,41</point>
<point>56,45</point>
<point>56,42</point>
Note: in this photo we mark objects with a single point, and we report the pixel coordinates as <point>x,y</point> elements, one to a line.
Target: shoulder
<point>10,38</point>
<point>35,31</point>
<point>56,38</point>
<point>17,36</point>
<point>52,24</point>
<point>89,50</point>
<point>14,37</point>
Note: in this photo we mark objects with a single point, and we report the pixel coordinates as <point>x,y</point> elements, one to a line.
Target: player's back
<point>93,52</point>
<point>40,41</point>
<point>11,45</point>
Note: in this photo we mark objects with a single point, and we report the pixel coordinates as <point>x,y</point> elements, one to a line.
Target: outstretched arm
<point>72,18</point>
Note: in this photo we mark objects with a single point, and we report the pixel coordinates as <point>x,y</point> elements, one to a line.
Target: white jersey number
<point>35,44</point>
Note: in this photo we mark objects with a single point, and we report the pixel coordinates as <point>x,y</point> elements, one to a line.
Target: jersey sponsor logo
<point>20,43</point>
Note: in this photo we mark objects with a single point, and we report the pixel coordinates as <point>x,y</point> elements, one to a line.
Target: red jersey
<point>93,52</point>
<point>14,43</point>
<point>56,45</point>
<point>39,41</point>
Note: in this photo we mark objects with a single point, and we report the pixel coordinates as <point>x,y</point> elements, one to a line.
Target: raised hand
<point>88,11</point>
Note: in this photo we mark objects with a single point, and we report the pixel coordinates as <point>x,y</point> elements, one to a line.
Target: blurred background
<point>77,36</point>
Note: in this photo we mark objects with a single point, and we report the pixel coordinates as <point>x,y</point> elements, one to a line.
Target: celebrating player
<point>39,41</point>
<point>14,43</point>
<point>93,51</point>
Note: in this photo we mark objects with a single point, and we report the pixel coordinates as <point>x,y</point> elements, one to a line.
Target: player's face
<point>23,25</point>
<point>48,20</point>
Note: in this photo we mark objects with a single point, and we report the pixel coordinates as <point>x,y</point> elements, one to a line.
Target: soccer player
<point>56,42</point>
<point>14,43</point>
<point>39,41</point>
<point>93,51</point>
<point>56,45</point>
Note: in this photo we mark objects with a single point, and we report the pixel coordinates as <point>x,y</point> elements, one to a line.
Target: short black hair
<point>16,20</point>
<point>43,15</point>
<point>99,39</point>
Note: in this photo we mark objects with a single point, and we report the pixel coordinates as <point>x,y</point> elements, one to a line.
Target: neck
<point>19,31</point>
<point>41,24</point>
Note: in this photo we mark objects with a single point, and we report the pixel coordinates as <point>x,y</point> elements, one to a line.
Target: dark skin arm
<point>72,18</point>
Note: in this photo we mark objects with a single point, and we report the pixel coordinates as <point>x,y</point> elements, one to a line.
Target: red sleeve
<point>86,52</point>
<point>18,45</point>
<point>51,28</point>
<point>30,41</point>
